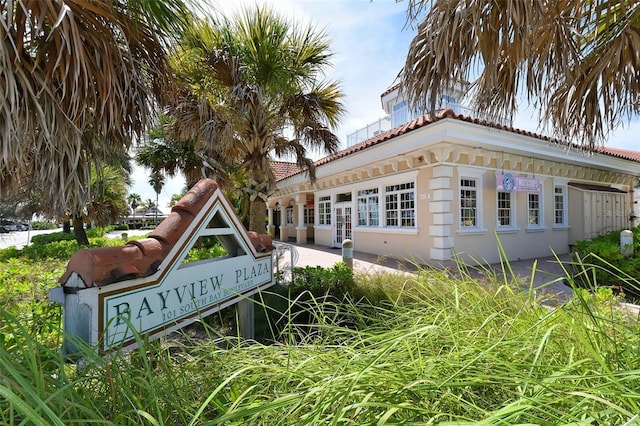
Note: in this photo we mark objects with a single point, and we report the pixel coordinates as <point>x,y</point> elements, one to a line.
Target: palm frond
<point>256,79</point>
<point>576,61</point>
<point>76,76</point>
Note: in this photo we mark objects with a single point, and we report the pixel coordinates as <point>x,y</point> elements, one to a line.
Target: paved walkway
<point>545,274</point>
<point>19,239</point>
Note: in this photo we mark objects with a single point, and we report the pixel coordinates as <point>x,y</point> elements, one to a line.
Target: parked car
<point>4,229</point>
<point>22,227</point>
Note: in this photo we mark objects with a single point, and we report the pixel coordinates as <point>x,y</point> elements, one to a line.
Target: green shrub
<point>40,226</point>
<point>441,350</point>
<point>44,239</point>
<point>599,262</point>
<point>319,281</point>
<point>97,232</point>
<point>202,253</point>
<point>62,250</point>
<point>459,353</point>
<point>9,253</point>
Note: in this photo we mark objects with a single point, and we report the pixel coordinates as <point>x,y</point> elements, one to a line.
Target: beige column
<point>284,229</point>
<point>301,229</point>
<point>270,227</point>
<point>440,209</point>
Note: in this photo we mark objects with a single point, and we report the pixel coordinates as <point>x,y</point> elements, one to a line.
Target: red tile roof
<point>625,154</point>
<point>389,90</point>
<point>448,113</point>
<point>283,169</point>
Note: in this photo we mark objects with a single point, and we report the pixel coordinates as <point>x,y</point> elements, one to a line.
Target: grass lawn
<point>383,349</point>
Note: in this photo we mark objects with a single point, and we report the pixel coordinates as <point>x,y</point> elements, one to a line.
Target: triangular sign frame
<point>177,293</point>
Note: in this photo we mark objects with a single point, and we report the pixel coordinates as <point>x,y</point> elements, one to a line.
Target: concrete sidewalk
<point>545,274</point>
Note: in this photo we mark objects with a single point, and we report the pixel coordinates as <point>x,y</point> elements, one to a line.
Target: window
<point>343,198</point>
<point>308,216</point>
<point>400,205</point>
<point>417,112</point>
<point>535,209</point>
<point>468,203</point>
<point>505,211</point>
<point>446,99</point>
<point>368,214</point>
<point>399,114</point>
<point>288,214</point>
<point>324,210</point>
<point>559,206</point>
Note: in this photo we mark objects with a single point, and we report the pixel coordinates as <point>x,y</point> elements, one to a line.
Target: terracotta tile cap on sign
<point>261,242</point>
<point>140,258</point>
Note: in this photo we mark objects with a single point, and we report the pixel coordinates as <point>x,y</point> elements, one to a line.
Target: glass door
<point>343,224</point>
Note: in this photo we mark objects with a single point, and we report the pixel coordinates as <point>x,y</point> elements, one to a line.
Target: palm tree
<point>148,204</point>
<point>576,60</point>
<point>156,180</point>
<point>162,154</point>
<point>108,196</point>
<point>253,89</point>
<point>134,201</point>
<point>78,78</point>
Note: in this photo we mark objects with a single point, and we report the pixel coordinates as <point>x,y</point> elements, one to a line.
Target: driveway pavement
<point>20,239</point>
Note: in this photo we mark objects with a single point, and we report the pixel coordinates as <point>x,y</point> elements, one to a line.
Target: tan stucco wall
<point>521,242</point>
<point>434,158</point>
<point>597,212</point>
<point>323,236</point>
<point>390,244</point>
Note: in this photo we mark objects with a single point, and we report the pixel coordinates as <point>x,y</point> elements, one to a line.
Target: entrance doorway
<point>276,222</point>
<point>343,229</point>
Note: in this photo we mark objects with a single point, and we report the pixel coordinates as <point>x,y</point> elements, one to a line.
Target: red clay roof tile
<point>282,169</point>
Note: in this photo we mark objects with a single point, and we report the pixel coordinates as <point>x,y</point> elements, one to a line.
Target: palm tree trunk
<point>257,206</point>
<point>78,230</point>
<point>257,212</point>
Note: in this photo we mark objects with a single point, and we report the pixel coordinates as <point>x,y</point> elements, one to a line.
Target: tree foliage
<point>78,79</point>
<point>108,197</point>
<point>252,89</point>
<point>159,153</point>
<point>576,61</point>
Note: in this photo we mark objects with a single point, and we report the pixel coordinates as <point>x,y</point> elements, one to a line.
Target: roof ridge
<point>425,120</point>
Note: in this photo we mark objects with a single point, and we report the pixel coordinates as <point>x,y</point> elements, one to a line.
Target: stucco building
<point>432,189</point>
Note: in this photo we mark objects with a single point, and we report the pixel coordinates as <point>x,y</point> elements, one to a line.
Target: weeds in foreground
<point>434,349</point>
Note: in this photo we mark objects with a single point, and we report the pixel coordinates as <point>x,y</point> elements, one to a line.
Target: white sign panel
<point>189,291</point>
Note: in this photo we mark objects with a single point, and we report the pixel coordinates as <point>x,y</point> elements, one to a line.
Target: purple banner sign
<point>510,183</point>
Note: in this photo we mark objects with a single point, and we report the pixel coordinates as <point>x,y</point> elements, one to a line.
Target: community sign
<point>178,292</point>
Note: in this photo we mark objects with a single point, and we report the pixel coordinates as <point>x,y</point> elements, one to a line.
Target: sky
<point>370,40</point>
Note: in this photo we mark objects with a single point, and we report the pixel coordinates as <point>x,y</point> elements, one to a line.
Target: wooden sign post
<point>149,287</point>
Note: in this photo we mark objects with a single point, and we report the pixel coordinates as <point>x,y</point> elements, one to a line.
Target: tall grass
<point>433,349</point>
